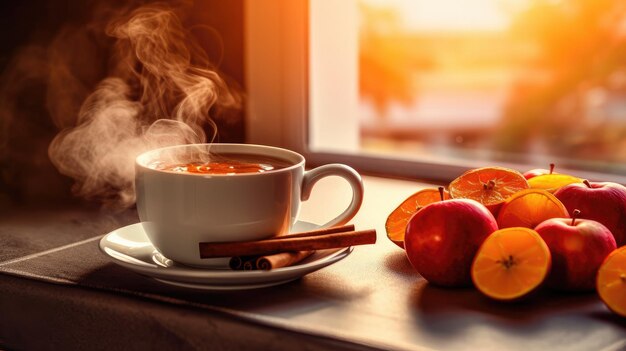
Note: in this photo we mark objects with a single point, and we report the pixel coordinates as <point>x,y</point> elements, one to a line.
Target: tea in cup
<point>194,193</point>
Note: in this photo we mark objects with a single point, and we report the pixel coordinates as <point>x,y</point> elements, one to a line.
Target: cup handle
<point>335,169</point>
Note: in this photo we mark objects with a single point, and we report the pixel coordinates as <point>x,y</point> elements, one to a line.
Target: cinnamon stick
<point>283,259</point>
<point>236,263</point>
<point>343,228</point>
<point>248,266</point>
<point>287,243</point>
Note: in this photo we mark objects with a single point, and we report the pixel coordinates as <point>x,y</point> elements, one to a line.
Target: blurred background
<point>529,82</point>
<point>460,83</point>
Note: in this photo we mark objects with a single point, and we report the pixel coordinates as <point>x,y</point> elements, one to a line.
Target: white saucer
<point>129,247</point>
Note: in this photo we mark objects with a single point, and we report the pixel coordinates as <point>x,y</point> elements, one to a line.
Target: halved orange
<point>528,208</point>
<point>611,281</point>
<point>490,186</point>
<point>552,182</point>
<point>399,218</point>
<point>511,263</point>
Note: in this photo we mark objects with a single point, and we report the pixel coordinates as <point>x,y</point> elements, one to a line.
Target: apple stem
<point>441,192</point>
<point>551,168</point>
<point>587,183</point>
<point>575,215</point>
<point>489,185</point>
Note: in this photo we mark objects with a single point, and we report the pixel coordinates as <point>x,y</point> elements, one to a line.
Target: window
<point>427,89</point>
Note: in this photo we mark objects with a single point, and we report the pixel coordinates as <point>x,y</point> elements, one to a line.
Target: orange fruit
<point>528,208</point>
<point>552,182</point>
<point>490,186</point>
<point>611,281</point>
<point>511,263</point>
<point>399,218</point>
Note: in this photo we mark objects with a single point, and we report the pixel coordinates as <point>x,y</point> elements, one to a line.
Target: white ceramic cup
<point>179,210</point>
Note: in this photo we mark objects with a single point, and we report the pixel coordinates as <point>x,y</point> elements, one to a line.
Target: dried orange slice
<point>552,182</point>
<point>399,218</point>
<point>511,263</point>
<point>611,281</point>
<point>528,208</point>
<point>490,186</point>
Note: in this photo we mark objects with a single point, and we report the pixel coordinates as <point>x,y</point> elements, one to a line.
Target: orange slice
<point>611,281</point>
<point>490,186</point>
<point>399,218</point>
<point>511,263</point>
<point>552,182</point>
<point>530,207</point>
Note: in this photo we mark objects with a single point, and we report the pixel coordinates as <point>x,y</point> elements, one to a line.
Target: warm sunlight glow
<point>536,81</point>
<point>448,15</point>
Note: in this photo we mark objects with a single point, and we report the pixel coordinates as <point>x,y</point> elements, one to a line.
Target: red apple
<point>442,239</point>
<point>602,202</point>
<point>578,248</point>
<point>539,171</point>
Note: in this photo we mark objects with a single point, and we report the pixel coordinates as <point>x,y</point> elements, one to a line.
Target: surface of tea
<point>227,164</point>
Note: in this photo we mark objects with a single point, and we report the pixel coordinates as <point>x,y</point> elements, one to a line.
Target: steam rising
<point>159,93</point>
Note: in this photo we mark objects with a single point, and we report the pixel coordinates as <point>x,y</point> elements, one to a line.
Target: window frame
<point>277,83</point>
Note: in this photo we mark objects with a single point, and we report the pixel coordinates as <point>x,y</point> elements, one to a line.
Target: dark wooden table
<point>57,291</point>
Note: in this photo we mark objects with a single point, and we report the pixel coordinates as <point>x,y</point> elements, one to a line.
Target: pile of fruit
<point>509,233</point>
